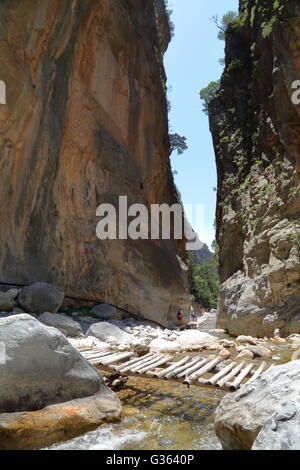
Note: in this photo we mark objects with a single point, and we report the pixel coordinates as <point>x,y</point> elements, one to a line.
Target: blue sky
<point>192,61</point>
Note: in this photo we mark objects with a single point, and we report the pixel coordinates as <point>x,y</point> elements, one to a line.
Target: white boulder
<point>194,340</point>
<point>109,333</point>
<point>241,415</point>
<point>39,367</point>
<point>162,346</point>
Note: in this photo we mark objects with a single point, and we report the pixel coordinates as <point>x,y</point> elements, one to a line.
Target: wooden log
<point>117,358</point>
<point>242,375</point>
<point>200,372</point>
<point>175,372</point>
<point>84,349</point>
<point>207,368</point>
<point>95,351</point>
<point>195,367</point>
<point>98,354</point>
<point>154,365</point>
<point>98,360</point>
<point>173,367</point>
<point>257,373</point>
<point>139,366</point>
<point>231,374</point>
<point>132,361</point>
<point>213,380</point>
<point>100,357</point>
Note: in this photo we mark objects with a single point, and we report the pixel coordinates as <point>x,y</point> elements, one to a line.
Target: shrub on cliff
<point>228,18</point>
<point>208,93</point>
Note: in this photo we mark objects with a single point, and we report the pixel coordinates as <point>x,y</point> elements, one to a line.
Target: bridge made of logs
<point>208,371</point>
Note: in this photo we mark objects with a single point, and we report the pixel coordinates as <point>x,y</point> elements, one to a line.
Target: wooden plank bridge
<point>190,370</point>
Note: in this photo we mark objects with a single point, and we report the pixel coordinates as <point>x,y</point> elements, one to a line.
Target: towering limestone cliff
<point>256,134</point>
<point>86,122</point>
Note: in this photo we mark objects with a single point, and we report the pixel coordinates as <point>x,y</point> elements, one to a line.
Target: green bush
<point>204,283</point>
<point>208,93</point>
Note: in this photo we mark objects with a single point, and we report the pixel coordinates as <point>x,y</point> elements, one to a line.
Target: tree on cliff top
<point>226,20</point>
<point>208,93</point>
<point>179,143</point>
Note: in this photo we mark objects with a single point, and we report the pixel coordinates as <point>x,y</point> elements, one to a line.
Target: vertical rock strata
<point>85,122</point>
<point>256,133</point>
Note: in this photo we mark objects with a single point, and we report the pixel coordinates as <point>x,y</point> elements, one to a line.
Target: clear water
<point>158,415</point>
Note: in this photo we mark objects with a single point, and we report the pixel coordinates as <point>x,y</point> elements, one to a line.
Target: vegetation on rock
<point>208,93</point>
<point>178,143</point>
<point>204,282</point>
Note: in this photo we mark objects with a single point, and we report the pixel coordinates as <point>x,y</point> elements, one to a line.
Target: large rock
<point>13,293</point>
<point>190,340</point>
<point>89,343</point>
<point>256,139</point>
<point>282,431</point>
<point>32,430</point>
<point>245,355</point>
<point>40,367</point>
<point>63,323</point>
<point>41,297</point>
<point>246,340</point>
<point>86,121</point>
<point>106,312</point>
<point>109,333</point>
<point>196,340</point>
<point>242,415</point>
<point>260,351</point>
<point>6,302</point>
<point>164,347</point>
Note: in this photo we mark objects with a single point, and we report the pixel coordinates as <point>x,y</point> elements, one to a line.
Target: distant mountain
<point>204,255</point>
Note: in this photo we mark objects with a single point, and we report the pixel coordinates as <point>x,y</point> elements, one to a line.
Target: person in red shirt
<point>179,317</point>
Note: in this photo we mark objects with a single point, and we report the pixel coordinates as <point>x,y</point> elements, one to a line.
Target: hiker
<point>194,317</point>
<point>179,317</point>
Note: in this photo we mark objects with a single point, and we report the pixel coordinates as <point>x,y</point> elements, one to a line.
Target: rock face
<point>241,415</point>
<point>40,367</point>
<point>85,123</point>
<point>41,297</point>
<point>256,134</point>
<point>282,431</point>
<point>204,255</point>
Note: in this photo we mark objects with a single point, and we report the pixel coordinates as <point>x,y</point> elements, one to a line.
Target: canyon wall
<point>86,122</point>
<point>256,133</point>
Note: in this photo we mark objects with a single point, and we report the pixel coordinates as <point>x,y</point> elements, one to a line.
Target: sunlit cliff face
<point>85,122</point>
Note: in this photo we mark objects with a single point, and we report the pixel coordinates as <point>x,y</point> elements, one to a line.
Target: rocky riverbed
<point>156,415</point>
<point>159,416</point>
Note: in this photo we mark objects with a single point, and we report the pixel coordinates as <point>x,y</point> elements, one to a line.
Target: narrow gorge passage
<point>150,227</point>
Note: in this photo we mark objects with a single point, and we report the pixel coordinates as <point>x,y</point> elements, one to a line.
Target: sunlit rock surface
<point>256,134</point>
<point>85,123</point>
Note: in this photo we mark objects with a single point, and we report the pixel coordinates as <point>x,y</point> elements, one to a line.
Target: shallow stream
<point>163,415</point>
